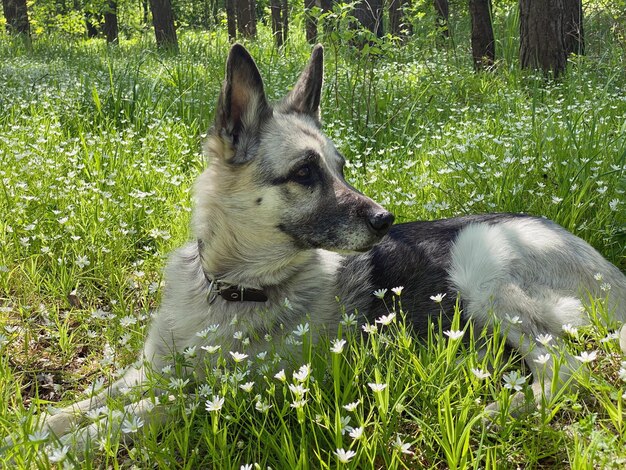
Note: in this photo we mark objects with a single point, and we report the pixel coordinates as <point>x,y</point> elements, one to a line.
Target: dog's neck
<point>254,272</point>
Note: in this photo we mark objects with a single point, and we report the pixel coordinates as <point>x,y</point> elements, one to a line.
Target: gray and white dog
<point>275,219</point>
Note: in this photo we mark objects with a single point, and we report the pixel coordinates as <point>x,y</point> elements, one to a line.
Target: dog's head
<point>275,174</point>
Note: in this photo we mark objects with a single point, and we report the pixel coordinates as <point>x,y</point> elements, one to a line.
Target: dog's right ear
<point>306,95</point>
<point>242,105</point>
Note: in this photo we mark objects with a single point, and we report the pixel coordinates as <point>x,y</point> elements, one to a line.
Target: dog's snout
<point>380,222</point>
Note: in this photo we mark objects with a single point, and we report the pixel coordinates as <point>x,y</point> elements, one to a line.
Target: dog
<point>275,219</point>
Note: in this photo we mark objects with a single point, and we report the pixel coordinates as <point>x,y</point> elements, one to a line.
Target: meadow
<point>99,147</point>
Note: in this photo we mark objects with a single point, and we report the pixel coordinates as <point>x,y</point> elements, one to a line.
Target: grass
<point>98,152</point>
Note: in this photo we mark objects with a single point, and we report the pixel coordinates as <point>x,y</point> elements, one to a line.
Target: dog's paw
<point>517,406</point>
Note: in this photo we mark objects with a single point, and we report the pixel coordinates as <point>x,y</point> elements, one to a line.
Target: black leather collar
<point>230,292</point>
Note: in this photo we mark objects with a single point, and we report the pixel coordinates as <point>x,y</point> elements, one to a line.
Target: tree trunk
<point>370,15</point>
<point>541,36</point>
<point>285,16</point>
<point>16,15</point>
<point>163,21</point>
<point>277,22</point>
<point>110,22</point>
<point>144,5</point>
<point>310,21</point>
<point>231,20</point>
<point>443,13</point>
<point>573,33</point>
<point>483,44</point>
<point>91,23</point>
<point>396,16</point>
<point>246,17</point>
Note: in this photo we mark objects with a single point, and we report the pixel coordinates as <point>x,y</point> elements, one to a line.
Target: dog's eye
<point>303,175</point>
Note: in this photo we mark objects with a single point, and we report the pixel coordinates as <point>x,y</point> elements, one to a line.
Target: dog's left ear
<point>305,96</point>
<point>242,106</point>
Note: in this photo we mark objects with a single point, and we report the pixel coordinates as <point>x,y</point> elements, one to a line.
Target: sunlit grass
<point>98,152</point>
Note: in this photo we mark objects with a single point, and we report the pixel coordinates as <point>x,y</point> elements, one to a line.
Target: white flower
<point>348,320</point>
<point>247,387</point>
<point>82,261</point>
<point>370,328</point>
<point>205,390</point>
<point>544,339</point>
<point>345,456</point>
<point>480,374</point>
<point>211,349</point>
<point>402,446</point>
<point>263,407</point>
<point>298,390</point>
<point>380,293</point>
<point>598,276</point>
<point>386,319</point>
<point>377,387</point>
<point>281,375</point>
<point>301,329</point>
<point>610,337</point>
<point>514,381</point>
<point>516,320</point>
<point>570,330</point>
<point>337,346</point>
<point>543,359</point>
<point>397,290</point>
<point>215,404</point>
<point>57,454</point>
<point>437,298</point>
<point>303,373</point>
<point>38,436</point>
<point>344,421</point>
<point>454,334</point>
<point>298,403</point>
<point>177,382</point>
<point>237,356</point>
<point>189,352</point>
<point>622,374</point>
<point>132,424</point>
<point>352,406</point>
<point>356,433</point>
<point>247,466</point>
<point>585,356</point>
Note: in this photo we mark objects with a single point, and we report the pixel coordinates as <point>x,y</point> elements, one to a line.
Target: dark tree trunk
<point>16,15</point>
<point>231,20</point>
<point>110,22</point>
<point>277,21</point>
<point>310,21</point>
<point>91,23</point>
<point>483,44</point>
<point>396,16</point>
<point>541,36</point>
<point>285,16</point>
<point>573,33</point>
<point>163,21</point>
<point>144,7</point>
<point>370,15</point>
<point>443,13</point>
<point>246,17</point>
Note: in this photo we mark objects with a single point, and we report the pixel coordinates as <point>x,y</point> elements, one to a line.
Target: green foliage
<point>100,147</point>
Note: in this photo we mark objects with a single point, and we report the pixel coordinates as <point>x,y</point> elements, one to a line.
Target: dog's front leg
<point>126,424</point>
<point>66,419</point>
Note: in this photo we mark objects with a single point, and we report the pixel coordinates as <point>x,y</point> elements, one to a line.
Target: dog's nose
<point>380,223</point>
